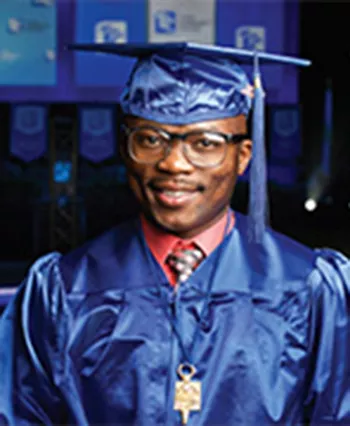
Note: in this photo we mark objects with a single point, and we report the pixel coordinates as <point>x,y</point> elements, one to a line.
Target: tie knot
<point>184,260</point>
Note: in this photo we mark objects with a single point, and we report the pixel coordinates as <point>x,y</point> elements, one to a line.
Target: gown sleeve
<point>32,344</point>
<point>328,393</point>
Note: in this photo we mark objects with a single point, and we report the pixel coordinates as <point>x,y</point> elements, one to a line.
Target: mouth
<point>173,196</point>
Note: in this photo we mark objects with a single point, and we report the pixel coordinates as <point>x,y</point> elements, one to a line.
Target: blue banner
<point>284,174</point>
<point>285,133</point>
<point>285,144</point>
<point>258,26</point>
<point>108,21</point>
<point>28,42</point>
<point>97,133</point>
<point>28,131</point>
<point>265,26</point>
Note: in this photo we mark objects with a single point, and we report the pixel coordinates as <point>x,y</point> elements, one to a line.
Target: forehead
<point>236,124</point>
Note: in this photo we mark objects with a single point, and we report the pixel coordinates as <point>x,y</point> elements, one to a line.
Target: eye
<point>208,143</point>
<point>149,141</point>
<point>146,138</point>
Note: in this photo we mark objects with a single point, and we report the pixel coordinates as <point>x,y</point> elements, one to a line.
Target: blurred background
<point>61,180</point>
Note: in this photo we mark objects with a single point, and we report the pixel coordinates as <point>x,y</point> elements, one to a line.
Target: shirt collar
<point>161,243</point>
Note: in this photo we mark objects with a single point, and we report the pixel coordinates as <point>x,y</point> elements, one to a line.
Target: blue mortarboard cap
<point>182,83</point>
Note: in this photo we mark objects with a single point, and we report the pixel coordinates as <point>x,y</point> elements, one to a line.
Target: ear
<point>244,155</point>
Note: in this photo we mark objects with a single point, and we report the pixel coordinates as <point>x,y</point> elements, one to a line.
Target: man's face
<point>179,197</point>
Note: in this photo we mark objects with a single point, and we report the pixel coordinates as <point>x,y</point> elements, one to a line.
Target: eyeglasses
<point>205,149</point>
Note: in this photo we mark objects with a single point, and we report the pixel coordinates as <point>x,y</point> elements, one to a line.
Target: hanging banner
<point>284,174</point>
<point>181,20</point>
<point>270,26</point>
<point>258,26</point>
<point>97,133</point>
<point>285,132</point>
<point>28,43</point>
<point>285,144</point>
<point>28,132</point>
<point>107,21</point>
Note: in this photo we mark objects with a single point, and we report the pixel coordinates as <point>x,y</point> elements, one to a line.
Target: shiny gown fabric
<point>86,340</point>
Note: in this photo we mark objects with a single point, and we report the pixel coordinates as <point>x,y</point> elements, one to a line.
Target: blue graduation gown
<point>86,340</point>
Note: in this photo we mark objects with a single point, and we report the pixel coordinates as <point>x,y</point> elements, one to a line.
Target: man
<point>180,317</point>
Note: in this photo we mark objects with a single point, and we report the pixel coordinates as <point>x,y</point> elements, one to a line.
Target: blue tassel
<point>258,175</point>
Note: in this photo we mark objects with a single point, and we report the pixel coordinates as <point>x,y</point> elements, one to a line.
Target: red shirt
<point>162,243</point>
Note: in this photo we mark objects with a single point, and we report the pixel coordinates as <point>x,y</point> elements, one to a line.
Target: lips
<point>173,186</point>
<point>172,195</point>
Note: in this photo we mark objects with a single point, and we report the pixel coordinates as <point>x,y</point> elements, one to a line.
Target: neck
<point>187,234</point>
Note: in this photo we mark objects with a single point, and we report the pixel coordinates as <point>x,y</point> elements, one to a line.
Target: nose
<point>175,161</point>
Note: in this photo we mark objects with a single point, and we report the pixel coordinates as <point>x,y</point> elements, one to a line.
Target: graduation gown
<point>86,339</point>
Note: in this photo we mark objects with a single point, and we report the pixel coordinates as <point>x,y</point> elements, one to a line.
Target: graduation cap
<point>182,83</point>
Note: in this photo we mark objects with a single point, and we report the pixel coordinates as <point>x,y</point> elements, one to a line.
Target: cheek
<point>137,176</point>
<point>223,185</point>
<point>224,181</point>
<point>218,193</point>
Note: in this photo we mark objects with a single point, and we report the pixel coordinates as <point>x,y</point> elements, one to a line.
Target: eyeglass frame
<point>234,138</point>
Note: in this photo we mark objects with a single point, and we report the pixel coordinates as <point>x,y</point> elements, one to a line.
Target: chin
<point>176,222</point>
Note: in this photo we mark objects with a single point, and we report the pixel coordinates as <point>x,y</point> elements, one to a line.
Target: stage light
<point>62,172</point>
<point>310,205</point>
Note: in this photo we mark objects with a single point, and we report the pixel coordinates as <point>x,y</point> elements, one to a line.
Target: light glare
<point>310,205</point>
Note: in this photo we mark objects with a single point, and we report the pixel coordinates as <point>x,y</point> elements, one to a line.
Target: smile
<point>173,198</point>
<point>174,194</point>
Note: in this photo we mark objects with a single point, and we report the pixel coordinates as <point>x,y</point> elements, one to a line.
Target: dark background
<point>324,38</point>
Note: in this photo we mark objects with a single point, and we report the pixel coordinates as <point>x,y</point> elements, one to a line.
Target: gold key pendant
<point>187,392</point>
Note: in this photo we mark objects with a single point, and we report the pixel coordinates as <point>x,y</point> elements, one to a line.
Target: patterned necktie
<point>184,260</point>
